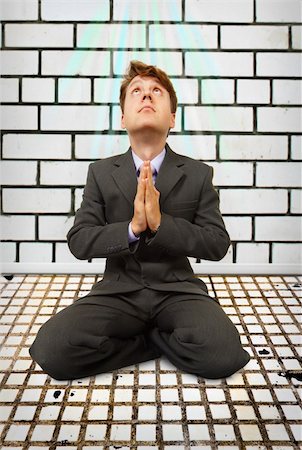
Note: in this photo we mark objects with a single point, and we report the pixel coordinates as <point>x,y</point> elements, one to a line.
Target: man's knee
<point>210,357</point>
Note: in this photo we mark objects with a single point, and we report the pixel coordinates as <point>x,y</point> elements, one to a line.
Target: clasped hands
<point>146,203</point>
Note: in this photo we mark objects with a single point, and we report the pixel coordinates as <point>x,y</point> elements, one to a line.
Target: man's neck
<point>147,149</point>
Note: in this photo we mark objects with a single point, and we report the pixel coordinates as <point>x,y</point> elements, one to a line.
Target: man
<point>146,211</point>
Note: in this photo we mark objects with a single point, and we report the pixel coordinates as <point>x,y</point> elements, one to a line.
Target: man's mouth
<point>147,107</point>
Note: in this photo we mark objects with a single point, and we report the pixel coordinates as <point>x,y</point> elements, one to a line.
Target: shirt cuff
<point>131,235</point>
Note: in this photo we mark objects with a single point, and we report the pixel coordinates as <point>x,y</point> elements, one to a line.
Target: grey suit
<point>149,302</point>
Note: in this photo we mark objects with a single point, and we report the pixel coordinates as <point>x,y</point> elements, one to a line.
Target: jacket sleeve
<point>204,238</point>
<point>91,236</point>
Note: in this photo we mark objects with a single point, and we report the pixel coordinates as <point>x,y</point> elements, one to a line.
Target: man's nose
<point>147,95</point>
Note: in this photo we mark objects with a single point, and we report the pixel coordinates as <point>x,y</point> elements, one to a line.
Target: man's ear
<point>172,120</point>
<point>123,122</point>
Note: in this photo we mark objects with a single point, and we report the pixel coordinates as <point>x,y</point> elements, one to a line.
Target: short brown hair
<point>144,70</point>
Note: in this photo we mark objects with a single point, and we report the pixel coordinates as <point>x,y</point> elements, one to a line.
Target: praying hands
<point>146,203</point>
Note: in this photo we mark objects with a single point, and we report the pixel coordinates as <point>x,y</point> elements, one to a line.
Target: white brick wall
<point>253,201</point>
<point>228,118</point>
<point>278,10</point>
<point>83,10</point>
<point>19,10</point>
<point>253,147</point>
<point>19,62</point>
<point>38,90</point>
<point>37,146</point>
<point>36,200</point>
<point>18,172</point>
<point>279,174</point>
<point>219,10</point>
<point>146,10</point>
<point>9,90</point>
<point>253,253</point>
<point>236,67</point>
<point>253,91</point>
<point>23,35</point>
<point>42,252</point>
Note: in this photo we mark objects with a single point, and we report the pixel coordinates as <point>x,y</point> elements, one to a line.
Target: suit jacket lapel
<point>169,174</point>
<point>125,176</point>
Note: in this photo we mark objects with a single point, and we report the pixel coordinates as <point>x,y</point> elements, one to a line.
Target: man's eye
<point>135,91</point>
<point>157,91</point>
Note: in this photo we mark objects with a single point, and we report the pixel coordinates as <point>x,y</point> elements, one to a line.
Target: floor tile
<point>152,405</point>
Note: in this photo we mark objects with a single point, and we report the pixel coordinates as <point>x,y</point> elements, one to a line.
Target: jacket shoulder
<point>194,164</point>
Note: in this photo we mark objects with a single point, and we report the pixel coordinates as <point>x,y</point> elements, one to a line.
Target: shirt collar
<point>156,162</point>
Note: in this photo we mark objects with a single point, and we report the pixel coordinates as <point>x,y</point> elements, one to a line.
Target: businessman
<point>146,211</point>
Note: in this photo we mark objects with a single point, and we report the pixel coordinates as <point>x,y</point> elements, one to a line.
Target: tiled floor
<point>153,405</point>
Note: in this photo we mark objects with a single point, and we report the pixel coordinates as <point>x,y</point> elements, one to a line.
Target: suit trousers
<point>102,333</point>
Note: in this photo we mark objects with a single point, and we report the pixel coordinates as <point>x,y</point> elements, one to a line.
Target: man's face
<point>147,106</point>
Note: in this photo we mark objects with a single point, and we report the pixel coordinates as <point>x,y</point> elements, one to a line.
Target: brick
<point>38,90</point>
<point>69,10</point>
<point>19,117</point>
<point>297,37</point>
<point>17,227</point>
<point>18,172</point>
<point>296,147</point>
<point>278,174</point>
<point>94,146</point>
<point>170,62</point>
<point>216,118</point>
<point>37,252</point>
<point>217,91</point>
<point>186,90</point>
<point>287,253</point>
<point>75,62</point>
<point>194,146</point>
<point>256,37</point>
<point>233,174</point>
<point>248,253</point>
<point>123,35</point>
<point>253,91</point>
<point>19,10</point>
<point>54,227</point>
<point>43,35</point>
<point>64,173</point>
<point>85,118</point>
<point>219,11</point>
<point>107,90</point>
<point>37,146</point>
<point>296,201</point>
<point>278,228</point>
<point>36,200</point>
<point>278,64</point>
<point>9,90</point>
<point>74,90</point>
<point>253,147</point>
<point>287,92</point>
<point>78,197</point>
<point>253,201</point>
<point>239,228</point>
<point>19,62</point>
<point>279,119</point>
<point>183,36</point>
<point>219,64</point>
<point>146,10</point>
<point>7,252</point>
<point>278,11</point>
<point>63,254</point>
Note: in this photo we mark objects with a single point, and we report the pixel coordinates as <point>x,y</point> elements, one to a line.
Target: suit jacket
<point>191,225</point>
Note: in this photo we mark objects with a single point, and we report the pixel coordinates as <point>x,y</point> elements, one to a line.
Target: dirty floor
<point>153,405</point>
